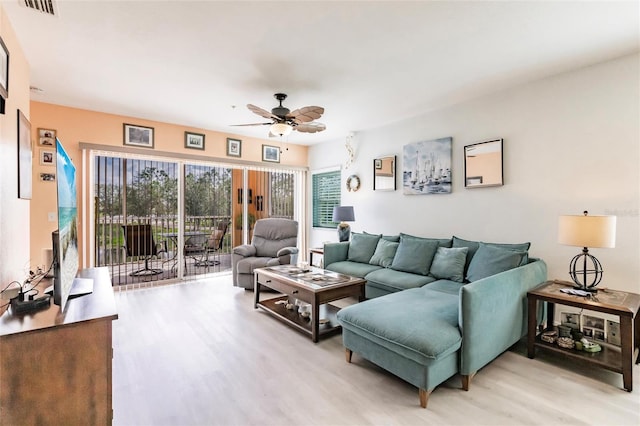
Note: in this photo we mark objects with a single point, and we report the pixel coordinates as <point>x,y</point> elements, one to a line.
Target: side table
<point>623,304</point>
<point>314,254</point>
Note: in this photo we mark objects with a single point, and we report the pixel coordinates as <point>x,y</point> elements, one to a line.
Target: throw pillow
<point>474,245</point>
<point>384,254</point>
<point>448,263</point>
<point>490,260</point>
<point>362,247</point>
<point>414,255</point>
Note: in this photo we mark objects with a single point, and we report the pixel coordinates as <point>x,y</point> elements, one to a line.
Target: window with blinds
<point>326,195</point>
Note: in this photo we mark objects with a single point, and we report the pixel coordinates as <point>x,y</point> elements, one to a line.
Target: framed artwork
<point>47,137</point>
<point>140,136</point>
<point>25,162</point>
<point>483,164</point>
<point>270,153</point>
<point>234,147</point>
<point>47,157</point>
<point>4,70</point>
<point>427,167</point>
<point>194,140</point>
<point>48,177</point>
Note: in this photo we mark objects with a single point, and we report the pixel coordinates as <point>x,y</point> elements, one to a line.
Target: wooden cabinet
<point>55,367</point>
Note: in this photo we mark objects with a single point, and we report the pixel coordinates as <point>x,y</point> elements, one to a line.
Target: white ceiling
<point>368,63</point>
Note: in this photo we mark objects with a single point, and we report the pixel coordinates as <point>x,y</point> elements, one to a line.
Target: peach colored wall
<point>14,212</point>
<point>76,125</point>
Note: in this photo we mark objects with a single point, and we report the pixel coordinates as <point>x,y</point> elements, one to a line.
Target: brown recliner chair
<point>274,243</point>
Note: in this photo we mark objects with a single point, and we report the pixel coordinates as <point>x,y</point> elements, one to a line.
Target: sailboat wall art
<point>427,167</point>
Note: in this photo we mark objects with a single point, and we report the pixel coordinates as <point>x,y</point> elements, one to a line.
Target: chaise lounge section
<point>427,333</point>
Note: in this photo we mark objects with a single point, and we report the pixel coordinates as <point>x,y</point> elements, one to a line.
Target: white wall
<point>571,142</point>
<point>14,212</point>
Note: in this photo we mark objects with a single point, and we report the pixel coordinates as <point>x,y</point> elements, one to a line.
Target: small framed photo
<point>234,147</point>
<point>270,153</point>
<point>140,136</point>
<point>570,320</point>
<point>598,335</point>
<point>47,157</point>
<point>4,70</point>
<point>378,163</point>
<point>193,140</point>
<point>47,137</point>
<point>47,177</point>
<point>593,322</point>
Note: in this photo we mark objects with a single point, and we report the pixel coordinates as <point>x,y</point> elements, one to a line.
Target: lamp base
<point>580,276</point>
<point>344,231</point>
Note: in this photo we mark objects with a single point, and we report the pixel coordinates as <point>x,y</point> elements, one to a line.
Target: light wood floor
<point>199,354</point>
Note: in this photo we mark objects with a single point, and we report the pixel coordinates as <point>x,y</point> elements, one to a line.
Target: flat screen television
<point>65,239</point>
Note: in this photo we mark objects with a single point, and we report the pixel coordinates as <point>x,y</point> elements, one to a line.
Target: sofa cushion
<point>448,263</point>
<point>442,242</point>
<point>474,245</point>
<point>355,269</point>
<point>391,280</point>
<point>490,260</point>
<point>417,324</point>
<point>384,254</point>
<point>445,286</point>
<point>362,247</point>
<point>414,254</point>
<point>392,238</point>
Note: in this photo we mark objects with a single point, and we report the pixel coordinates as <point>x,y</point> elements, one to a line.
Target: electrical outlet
<point>51,216</point>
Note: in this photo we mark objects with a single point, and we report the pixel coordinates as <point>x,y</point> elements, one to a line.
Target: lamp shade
<point>343,214</point>
<point>281,129</point>
<point>587,231</point>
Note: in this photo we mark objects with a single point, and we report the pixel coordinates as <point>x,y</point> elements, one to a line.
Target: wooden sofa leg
<point>424,397</point>
<point>348,353</point>
<point>466,380</point>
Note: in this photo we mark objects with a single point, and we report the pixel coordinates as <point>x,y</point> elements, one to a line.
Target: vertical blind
<point>326,195</point>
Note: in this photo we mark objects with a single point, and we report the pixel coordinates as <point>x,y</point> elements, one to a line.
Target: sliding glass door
<point>160,220</point>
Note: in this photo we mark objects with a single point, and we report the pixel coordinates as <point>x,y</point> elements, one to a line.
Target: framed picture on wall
<point>47,157</point>
<point>4,70</point>
<point>47,137</point>
<point>25,163</point>
<point>140,136</point>
<point>427,167</point>
<point>234,147</point>
<point>193,140</point>
<point>48,177</point>
<point>270,153</point>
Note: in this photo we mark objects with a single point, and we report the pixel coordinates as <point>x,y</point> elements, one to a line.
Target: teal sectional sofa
<point>437,307</point>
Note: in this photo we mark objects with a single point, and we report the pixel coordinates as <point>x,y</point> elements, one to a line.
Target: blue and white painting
<point>427,167</point>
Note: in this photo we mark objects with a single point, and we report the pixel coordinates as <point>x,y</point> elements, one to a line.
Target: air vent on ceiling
<point>45,6</point>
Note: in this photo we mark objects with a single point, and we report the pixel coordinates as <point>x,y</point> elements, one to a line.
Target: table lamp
<point>586,231</point>
<point>343,214</point>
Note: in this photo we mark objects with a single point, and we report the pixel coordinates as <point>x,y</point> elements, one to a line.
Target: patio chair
<point>195,247</point>
<point>139,242</point>
<point>214,244</point>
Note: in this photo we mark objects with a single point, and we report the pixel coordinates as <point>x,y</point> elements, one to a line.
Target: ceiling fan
<point>283,121</point>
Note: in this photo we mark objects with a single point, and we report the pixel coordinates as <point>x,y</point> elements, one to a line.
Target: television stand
<point>63,360</point>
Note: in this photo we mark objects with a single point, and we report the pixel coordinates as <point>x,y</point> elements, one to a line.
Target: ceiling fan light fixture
<point>281,129</point>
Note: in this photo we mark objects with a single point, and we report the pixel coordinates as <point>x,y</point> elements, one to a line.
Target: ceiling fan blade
<point>310,127</point>
<point>251,124</point>
<point>306,114</point>
<point>262,112</point>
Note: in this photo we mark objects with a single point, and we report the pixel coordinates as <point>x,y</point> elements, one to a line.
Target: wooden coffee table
<point>317,287</point>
